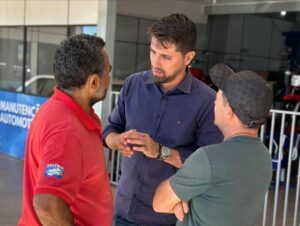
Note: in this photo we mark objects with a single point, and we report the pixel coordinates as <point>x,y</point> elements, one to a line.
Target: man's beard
<point>94,100</point>
<point>165,79</point>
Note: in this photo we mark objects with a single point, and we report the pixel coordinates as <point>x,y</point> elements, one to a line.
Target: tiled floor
<point>11,171</point>
<point>278,221</point>
<point>11,180</point>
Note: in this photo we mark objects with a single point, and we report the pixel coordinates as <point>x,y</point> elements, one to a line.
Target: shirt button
<point>139,176</point>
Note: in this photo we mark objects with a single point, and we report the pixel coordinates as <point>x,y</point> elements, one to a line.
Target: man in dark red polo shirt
<point>65,179</point>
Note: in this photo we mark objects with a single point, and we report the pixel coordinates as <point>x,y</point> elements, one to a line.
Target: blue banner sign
<point>16,113</point>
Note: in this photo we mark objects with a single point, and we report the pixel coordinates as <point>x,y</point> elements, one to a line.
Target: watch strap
<point>159,152</point>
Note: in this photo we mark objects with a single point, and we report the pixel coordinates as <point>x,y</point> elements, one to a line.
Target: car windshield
<point>41,85</point>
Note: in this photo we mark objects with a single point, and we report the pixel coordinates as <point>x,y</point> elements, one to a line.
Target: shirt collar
<point>184,86</point>
<point>90,123</point>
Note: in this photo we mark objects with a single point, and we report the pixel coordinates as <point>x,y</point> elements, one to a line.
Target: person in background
<point>65,178</point>
<point>225,183</point>
<point>157,122</point>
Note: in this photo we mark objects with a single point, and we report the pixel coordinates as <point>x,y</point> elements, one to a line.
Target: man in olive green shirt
<point>224,184</point>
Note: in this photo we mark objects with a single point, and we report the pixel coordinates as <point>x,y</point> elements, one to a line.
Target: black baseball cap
<point>249,95</point>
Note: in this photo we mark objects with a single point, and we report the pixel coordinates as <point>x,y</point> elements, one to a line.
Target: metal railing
<point>113,158</point>
<point>281,135</point>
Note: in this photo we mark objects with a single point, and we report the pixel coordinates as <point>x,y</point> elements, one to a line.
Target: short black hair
<point>76,58</point>
<point>177,29</point>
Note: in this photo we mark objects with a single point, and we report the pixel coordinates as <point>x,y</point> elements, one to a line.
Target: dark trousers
<point>119,221</point>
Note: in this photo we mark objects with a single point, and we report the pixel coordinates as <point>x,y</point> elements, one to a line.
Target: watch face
<point>165,152</point>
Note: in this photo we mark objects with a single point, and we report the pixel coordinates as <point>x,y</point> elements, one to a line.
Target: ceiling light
<point>283,13</point>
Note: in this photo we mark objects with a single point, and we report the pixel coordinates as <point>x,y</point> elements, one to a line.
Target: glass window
<point>125,60</point>
<point>143,58</point>
<point>131,47</point>
<point>87,29</point>
<point>40,49</point>
<point>41,84</point>
<point>90,30</point>
<point>41,46</point>
<point>143,27</point>
<point>126,28</point>
<point>11,57</point>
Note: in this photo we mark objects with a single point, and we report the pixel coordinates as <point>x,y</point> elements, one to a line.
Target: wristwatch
<point>164,152</point>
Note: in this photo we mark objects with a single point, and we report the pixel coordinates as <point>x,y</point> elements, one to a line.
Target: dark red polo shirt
<point>64,157</point>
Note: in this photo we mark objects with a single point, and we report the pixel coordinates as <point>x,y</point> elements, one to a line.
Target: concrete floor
<point>11,182</point>
<point>11,174</point>
<point>11,171</point>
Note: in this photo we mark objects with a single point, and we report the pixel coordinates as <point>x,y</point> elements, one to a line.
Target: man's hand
<point>132,140</point>
<point>119,142</point>
<point>142,142</point>
<point>181,209</point>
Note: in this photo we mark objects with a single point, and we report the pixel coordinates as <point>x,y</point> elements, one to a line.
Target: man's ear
<point>229,112</point>
<point>189,57</point>
<point>93,82</point>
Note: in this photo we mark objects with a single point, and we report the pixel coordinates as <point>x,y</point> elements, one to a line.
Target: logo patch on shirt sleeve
<point>54,170</point>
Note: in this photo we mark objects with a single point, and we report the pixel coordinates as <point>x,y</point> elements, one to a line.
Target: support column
<point>106,26</point>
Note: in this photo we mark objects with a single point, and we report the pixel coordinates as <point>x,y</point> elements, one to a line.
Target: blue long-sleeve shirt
<point>181,119</point>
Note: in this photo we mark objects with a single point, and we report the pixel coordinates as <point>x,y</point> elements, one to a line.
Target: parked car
<point>41,85</point>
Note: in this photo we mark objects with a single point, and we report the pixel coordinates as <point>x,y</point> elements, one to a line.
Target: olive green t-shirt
<point>224,183</point>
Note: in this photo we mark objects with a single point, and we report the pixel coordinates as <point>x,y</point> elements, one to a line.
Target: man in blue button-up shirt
<point>162,116</point>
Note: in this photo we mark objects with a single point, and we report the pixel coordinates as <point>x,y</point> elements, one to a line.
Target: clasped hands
<point>132,140</point>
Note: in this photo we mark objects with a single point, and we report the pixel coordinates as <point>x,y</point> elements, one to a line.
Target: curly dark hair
<point>177,29</point>
<point>76,58</point>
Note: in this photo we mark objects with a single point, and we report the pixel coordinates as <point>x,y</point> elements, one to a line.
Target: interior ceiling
<point>235,2</point>
<point>269,8</point>
<point>214,7</point>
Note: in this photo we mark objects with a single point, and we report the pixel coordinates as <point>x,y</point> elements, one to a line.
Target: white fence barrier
<point>281,135</point>
<point>113,158</point>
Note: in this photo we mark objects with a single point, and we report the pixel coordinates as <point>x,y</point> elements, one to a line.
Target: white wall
<point>48,12</point>
<point>12,12</point>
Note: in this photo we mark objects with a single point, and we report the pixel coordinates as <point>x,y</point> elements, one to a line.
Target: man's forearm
<point>174,159</point>
<point>165,198</point>
<point>52,211</point>
<point>110,140</point>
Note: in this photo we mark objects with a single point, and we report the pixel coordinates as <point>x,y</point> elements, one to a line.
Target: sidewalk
<point>11,174</point>
<point>11,182</point>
